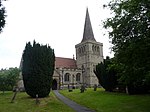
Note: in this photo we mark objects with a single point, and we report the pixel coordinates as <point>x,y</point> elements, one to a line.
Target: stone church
<point>71,72</point>
<point>74,72</point>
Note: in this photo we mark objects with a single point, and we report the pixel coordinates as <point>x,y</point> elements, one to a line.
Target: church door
<point>54,85</point>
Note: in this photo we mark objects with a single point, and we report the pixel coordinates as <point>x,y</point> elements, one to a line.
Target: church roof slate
<point>88,31</point>
<point>61,62</point>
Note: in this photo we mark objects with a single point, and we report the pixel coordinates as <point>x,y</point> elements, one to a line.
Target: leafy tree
<point>3,86</point>
<point>13,77</point>
<point>38,68</point>
<point>106,74</point>
<point>8,78</point>
<point>130,36</point>
<point>2,16</point>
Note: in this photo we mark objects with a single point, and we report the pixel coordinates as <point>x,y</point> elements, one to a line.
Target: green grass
<point>24,103</point>
<point>102,101</point>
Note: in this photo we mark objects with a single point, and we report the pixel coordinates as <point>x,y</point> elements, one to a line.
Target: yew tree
<point>106,74</point>
<point>37,69</point>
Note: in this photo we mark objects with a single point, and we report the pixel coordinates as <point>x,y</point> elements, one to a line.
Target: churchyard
<point>102,101</point>
<point>24,103</point>
<point>99,100</point>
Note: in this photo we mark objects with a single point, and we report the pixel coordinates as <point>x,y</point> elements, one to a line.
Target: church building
<point>71,72</point>
<point>75,72</point>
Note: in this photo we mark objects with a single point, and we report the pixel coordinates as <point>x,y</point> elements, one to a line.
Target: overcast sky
<point>59,23</point>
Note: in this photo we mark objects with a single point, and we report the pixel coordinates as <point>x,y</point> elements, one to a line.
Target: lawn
<point>24,103</point>
<point>102,101</point>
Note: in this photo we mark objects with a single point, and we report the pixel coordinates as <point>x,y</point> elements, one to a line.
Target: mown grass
<point>24,103</point>
<point>102,101</point>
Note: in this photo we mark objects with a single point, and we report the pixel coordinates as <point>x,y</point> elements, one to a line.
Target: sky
<point>59,23</point>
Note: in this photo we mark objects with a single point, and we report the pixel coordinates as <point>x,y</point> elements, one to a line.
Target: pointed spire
<point>88,31</point>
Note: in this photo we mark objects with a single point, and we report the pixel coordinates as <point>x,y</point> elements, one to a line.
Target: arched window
<point>97,48</point>
<point>67,77</point>
<point>78,75</point>
<point>79,50</point>
<point>93,47</point>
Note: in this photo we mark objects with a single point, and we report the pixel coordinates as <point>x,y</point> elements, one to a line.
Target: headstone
<point>70,90</point>
<point>73,87</point>
<point>37,100</point>
<point>82,89</point>
<point>95,87</point>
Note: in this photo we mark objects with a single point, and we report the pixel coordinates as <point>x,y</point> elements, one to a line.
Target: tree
<point>130,36</point>
<point>106,74</point>
<point>8,78</point>
<point>38,68</point>
<point>13,77</point>
<point>3,86</point>
<point>2,16</point>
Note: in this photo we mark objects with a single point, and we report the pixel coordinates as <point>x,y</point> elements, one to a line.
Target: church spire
<point>88,31</point>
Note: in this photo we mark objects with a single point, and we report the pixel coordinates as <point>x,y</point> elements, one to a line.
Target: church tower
<point>89,53</point>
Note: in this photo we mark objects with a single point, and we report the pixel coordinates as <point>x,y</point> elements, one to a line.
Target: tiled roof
<point>65,62</point>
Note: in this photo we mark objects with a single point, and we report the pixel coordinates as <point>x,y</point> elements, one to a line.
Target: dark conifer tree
<point>106,75</point>
<point>37,70</point>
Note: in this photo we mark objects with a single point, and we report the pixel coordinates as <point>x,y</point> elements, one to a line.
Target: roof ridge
<point>64,58</point>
